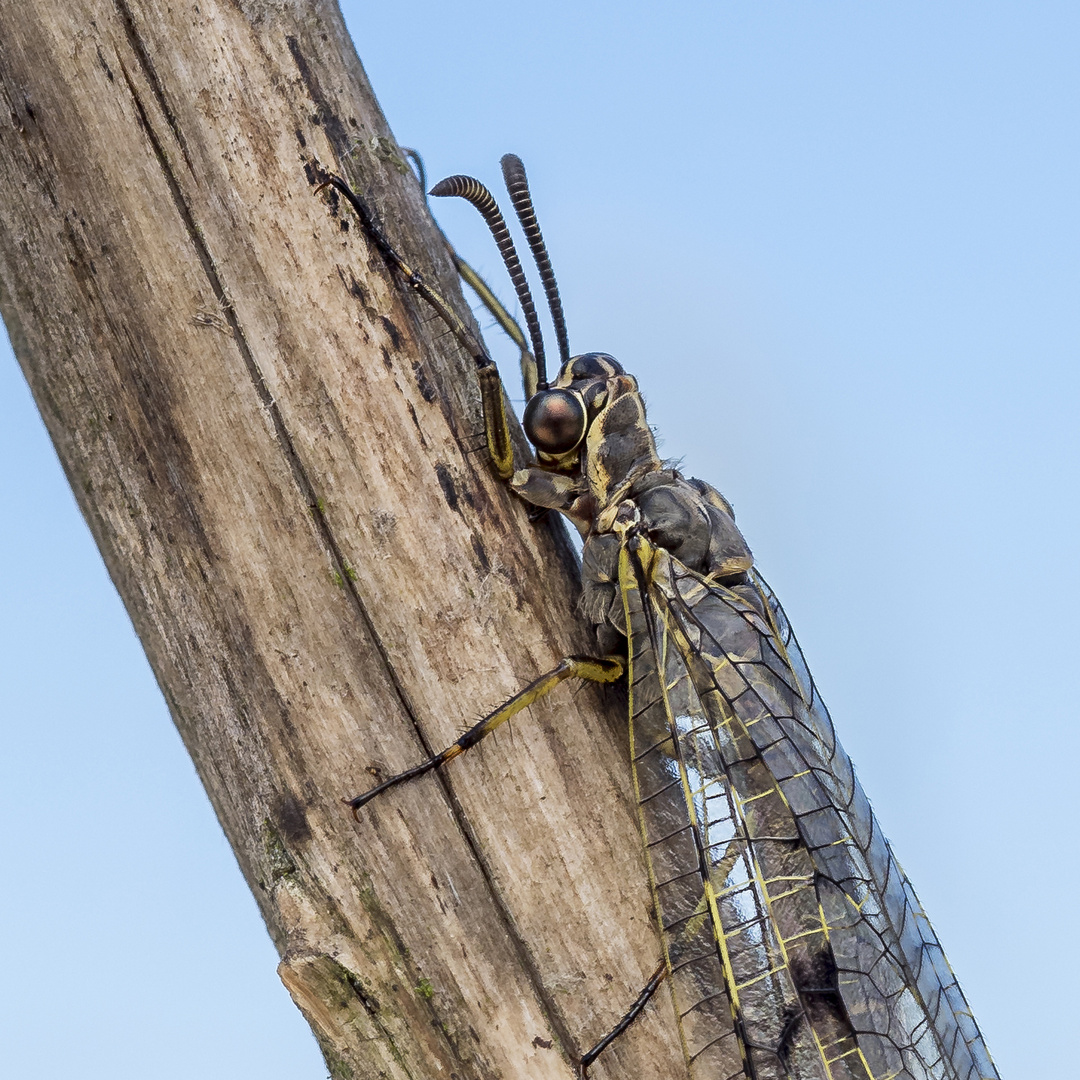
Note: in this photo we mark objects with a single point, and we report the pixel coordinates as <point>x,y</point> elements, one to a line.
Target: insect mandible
<point>793,944</point>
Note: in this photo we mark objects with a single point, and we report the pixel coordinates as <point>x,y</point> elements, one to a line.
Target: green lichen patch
<point>278,859</point>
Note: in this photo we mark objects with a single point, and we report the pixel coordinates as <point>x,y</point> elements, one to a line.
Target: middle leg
<point>593,669</point>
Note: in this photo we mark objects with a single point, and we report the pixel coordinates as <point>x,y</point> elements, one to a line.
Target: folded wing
<point>796,944</point>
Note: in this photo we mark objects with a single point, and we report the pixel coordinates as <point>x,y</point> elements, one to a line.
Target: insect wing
<point>874,997</point>
<point>715,938</point>
<point>913,945</point>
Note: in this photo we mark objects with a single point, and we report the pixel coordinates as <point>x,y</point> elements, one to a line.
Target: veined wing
<point>829,966</point>
<point>733,883</point>
<point>892,913</point>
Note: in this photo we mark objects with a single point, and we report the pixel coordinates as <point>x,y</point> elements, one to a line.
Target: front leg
<point>564,492</point>
<point>496,424</point>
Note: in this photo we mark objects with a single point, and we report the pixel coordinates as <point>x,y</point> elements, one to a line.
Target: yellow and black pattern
<point>796,945</point>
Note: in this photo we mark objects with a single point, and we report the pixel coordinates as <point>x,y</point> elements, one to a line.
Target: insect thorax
<point>615,472</point>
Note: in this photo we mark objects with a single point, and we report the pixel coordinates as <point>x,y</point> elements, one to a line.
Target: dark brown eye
<point>555,421</point>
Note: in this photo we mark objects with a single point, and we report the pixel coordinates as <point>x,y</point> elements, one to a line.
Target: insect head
<point>557,416</point>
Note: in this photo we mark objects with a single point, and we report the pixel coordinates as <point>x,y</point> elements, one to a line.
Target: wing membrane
<point>797,946</point>
<point>715,938</point>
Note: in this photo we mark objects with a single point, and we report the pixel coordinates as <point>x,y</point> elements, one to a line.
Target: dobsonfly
<point>793,944</point>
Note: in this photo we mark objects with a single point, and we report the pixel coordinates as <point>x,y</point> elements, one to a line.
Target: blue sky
<point>838,243</point>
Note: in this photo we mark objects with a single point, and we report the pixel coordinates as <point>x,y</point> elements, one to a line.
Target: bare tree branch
<point>277,450</point>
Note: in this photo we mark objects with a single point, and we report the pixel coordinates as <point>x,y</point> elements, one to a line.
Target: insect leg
<point>503,317</point>
<point>631,1015</point>
<point>496,424</point>
<point>593,669</point>
<point>483,291</point>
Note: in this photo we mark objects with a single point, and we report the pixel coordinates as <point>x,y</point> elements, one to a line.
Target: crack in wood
<point>137,46</point>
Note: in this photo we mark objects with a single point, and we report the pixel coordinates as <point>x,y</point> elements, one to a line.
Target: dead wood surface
<point>275,448</point>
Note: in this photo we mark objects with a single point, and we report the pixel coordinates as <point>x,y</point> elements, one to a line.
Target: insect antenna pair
<point>517,186</point>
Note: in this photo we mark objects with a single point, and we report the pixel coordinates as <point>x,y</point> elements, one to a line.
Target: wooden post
<point>277,450</point>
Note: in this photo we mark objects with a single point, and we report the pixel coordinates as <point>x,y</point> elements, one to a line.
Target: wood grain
<point>277,450</point>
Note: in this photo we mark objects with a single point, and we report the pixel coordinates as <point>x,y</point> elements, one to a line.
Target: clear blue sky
<point>838,243</point>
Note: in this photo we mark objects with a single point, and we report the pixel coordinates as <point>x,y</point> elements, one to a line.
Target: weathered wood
<point>277,452</point>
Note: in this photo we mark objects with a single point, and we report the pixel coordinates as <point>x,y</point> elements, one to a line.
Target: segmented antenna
<point>518,187</point>
<point>471,189</point>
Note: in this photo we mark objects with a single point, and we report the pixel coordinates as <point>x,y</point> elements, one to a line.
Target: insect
<point>793,943</point>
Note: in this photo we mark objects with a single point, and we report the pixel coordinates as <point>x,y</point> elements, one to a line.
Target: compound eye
<point>555,421</point>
